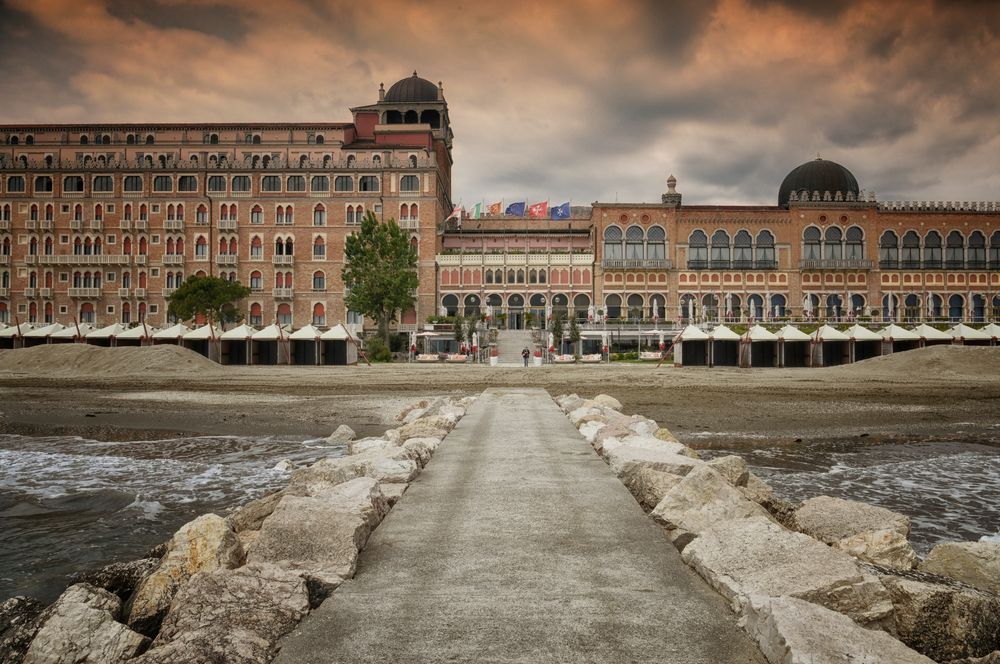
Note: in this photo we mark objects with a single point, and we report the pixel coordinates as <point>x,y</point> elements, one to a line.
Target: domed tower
<point>819,175</point>
<point>415,101</point>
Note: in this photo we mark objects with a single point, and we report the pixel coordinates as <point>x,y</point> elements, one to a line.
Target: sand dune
<point>80,361</point>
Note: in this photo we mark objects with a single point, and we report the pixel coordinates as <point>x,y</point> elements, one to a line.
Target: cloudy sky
<point>584,100</point>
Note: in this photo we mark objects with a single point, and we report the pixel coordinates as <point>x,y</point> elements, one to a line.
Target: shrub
<point>377,351</point>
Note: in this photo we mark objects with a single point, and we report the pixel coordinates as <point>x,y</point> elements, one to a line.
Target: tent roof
<point>140,331</point>
<point>336,333</point>
<point>759,333</point>
<point>861,333</point>
<point>723,333</point>
<point>925,331</point>
<point>69,332</point>
<point>270,333</point>
<point>653,332</point>
<point>45,331</point>
<point>173,332</point>
<point>693,333</point>
<point>963,331</point>
<point>240,333</point>
<point>202,333</point>
<point>993,330</point>
<point>307,333</point>
<point>107,332</point>
<point>12,330</point>
<point>894,332</point>
<point>827,333</point>
<point>792,333</point>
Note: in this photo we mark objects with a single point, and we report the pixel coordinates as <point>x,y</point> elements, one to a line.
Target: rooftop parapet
<point>940,206</point>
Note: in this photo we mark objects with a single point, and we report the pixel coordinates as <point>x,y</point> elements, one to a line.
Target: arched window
<point>319,183</point>
<point>84,140</point>
<point>720,250</point>
<point>413,161</point>
<point>319,249</point>
<point>319,280</point>
<point>855,250</point>
<point>320,140</point>
<point>656,245</point>
<point>43,183</point>
<point>697,254</point>
<point>911,251</point>
<point>977,251</point>
<point>256,248</point>
<point>414,212</point>
<point>613,306</point>
<point>633,243</point>
<point>812,244</point>
<point>256,215</point>
<point>368,183</point>
<point>270,183</point>
<point>33,213</point>
<point>995,251</point>
<point>888,251</point>
<point>201,247</point>
<point>127,246</point>
<point>319,312</point>
<point>743,250</point>
<point>343,183</point>
<point>409,183</point>
<point>143,246</point>
<point>319,216</point>
<point>241,183</point>
<point>256,139</point>
<point>765,256</point>
<point>613,249</point>
<point>201,215</point>
<point>256,281</point>
<point>956,307</point>
<point>150,140</point>
<point>143,212</point>
<point>833,248</point>
<point>955,251</point>
<point>130,139</point>
<point>48,246</point>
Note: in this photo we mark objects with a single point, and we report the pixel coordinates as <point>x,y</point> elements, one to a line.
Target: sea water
<point>950,490</point>
<point>70,504</point>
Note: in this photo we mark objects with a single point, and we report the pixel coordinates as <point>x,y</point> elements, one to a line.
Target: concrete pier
<point>518,544</point>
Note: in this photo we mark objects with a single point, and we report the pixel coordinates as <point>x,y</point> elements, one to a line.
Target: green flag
<point>476,211</point>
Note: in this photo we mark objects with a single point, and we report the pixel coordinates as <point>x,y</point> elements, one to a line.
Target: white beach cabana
<point>204,341</point>
<point>931,336</point>
<point>994,331</point>
<point>40,335</point>
<point>13,336</point>
<point>270,346</point>
<point>896,339</point>
<point>71,333</point>
<point>171,335</point>
<point>793,347</point>
<point>758,348</point>
<point>691,347</point>
<point>864,343</point>
<point>724,349</point>
<point>140,335</point>
<point>830,347</point>
<point>105,336</point>
<point>235,344</point>
<point>652,355</point>
<point>966,336</point>
<point>306,345</point>
<point>338,347</point>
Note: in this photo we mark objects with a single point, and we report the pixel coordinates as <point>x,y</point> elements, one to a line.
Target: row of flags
<point>540,210</point>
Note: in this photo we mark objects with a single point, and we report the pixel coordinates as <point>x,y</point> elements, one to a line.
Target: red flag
<point>494,209</point>
<point>539,210</point>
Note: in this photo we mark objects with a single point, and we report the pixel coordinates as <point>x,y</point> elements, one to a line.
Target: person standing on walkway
<point>525,354</point>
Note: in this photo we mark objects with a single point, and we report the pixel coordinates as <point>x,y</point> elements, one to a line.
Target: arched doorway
<point>689,308</point>
<point>613,306</point>
<point>710,304</point>
<point>890,307</point>
<point>449,305</point>
<point>536,308</point>
<point>581,307</point>
<point>471,305</point>
<point>515,312</point>
<point>956,308</point>
<point>657,307</point>
<point>834,306</point>
<point>756,305</point>
<point>560,305</point>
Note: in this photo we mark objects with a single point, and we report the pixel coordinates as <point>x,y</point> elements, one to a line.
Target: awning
<point>107,332</point>
<point>896,333</point>
<point>202,333</point>
<point>723,333</point>
<point>12,331</point>
<point>654,332</point>
<point>960,331</point>
<point>140,331</point>
<point>173,332</point>
<point>307,333</point>
<point>760,333</point>
<point>241,333</point>
<point>827,333</point>
<point>993,330</point>
<point>339,333</point>
<point>44,331</point>
<point>925,332</point>
<point>70,331</point>
<point>792,333</point>
<point>270,333</point>
<point>860,333</point>
<point>693,333</point>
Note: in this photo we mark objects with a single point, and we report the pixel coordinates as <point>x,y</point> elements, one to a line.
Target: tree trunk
<point>383,328</point>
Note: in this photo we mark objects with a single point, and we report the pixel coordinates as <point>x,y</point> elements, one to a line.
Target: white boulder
<point>830,519</point>
<point>667,459</point>
<point>421,449</point>
<point>731,467</point>
<point>880,547</point>
<point>608,401</point>
<point>341,435</point>
<point>974,563</point>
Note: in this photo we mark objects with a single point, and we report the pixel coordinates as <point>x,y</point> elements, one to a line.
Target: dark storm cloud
<point>216,20</point>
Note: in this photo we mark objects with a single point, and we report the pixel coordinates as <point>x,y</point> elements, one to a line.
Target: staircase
<point>510,343</point>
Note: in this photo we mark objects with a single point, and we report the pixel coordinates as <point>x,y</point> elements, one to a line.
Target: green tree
<point>211,297</point>
<point>558,329</point>
<point>470,328</point>
<point>574,333</point>
<point>459,329</point>
<point>380,272</point>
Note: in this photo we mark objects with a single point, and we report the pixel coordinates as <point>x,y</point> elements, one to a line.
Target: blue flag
<point>559,211</point>
<point>516,209</point>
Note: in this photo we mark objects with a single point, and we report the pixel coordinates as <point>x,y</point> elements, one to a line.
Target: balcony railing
<point>142,225</point>
<point>76,225</point>
<point>167,292</point>
<point>409,224</point>
<point>835,264</point>
<point>31,224</point>
<point>96,224</point>
<point>30,259</point>
<point>226,259</point>
<point>85,259</point>
<point>174,224</point>
<point>48,224</point>
<point>5,225</point>
<point>283,293</point>
<point>45,292</point>
<point>173,259</point>
<point>30,292</point>
<point>629,263</point>
<point>227,225</point>
<point>125,224</point>
<point>140,293</point>
<point>141,259</point>
<point>283,260</point>
<point>4,292</point>
<point>85,293</point>
<point>4,260</point>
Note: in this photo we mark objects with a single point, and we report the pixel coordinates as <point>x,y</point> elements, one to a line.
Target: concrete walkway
<point>518,544</point>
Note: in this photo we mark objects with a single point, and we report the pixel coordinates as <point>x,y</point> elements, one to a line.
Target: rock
<point>974,563</point>
<point>581,412</point>
<point>341,435</point>
<point>664,434</point>
<point>589,429</point>
<point>202,545</point>
<point>608,401</point>
<point>790,630</point>
<point>831,519</point>
<point>412,412</point>
<point>247,538</point>
<point>362,496</point>
<point>393,492</point>
<point>312,538</point>
<point>370,445</point>
<point>451,412</point>
<point>623,458</point>
<point>745,557</point>
<point>609,437</point>
<point>392,435</point>
<point>336,470</point>
<point>251,515</point>
<point>285,465</point>
<point>568,403</point>
<point>702,499</point>
<point>880,547</point>
<point>81,626</point>
<point>20,618</point>
<point>992,658</point>
<point>394,472</point>
<point>421,449</point>
<point>643,426</point>
<point>944,621</point>
<point>600,419</point>
<point>425,427</point>
<point>120,579</point>
<point>757,489</point>
<point>212,615</point>
<point>649,486</point>
<point>733,468</point>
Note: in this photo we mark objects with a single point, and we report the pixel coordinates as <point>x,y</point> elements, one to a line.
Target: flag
<point>494,209</point>
<point>515,209</point>
<point>560,211</point>
<point>539,210</point>
<point>455,214</point>
<point>476,211</point>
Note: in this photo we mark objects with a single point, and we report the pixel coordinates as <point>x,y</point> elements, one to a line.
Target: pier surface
<point>518,544</point>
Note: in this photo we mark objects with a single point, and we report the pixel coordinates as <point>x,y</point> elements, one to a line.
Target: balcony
<point>123,292</point>
<point>227,225</point>
<point>241,194</point>
<point>201,258</point>
<point>142,225</point>
<point>635,263</point>
<point>85,259</point>
<point>76,225</point>
<point>30,259</point>
<point>96,224</point>
<point>85,293</point>
<point>141,259</point>
<point>975,265</point>
<point>835,264</point>
<point>132,194</point>
<point>4,292</point>
<point>282,260</point>
<point>30,292</point>
<point>226,259</point>
<point>174,224</point>
<point>954,265</point>
<point>4,260</point>
<point>173,259</point>
<point>409,224</point>
<point>140,293</point>
<point>515,259</point>
<point>47,224</point>
<point>125,225</point>
<point>45,292</point>
<point>283,293</point>
<point>167,292</point>
<point>697,265</point>
<point>5,225</point>
<point>31,224</point>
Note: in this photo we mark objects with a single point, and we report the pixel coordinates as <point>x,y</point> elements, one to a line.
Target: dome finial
<point>415,73</point>
<point>818,158</point>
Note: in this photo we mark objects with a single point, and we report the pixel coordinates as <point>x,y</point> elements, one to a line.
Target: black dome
<point>412,89</point>
<point>818,175</point>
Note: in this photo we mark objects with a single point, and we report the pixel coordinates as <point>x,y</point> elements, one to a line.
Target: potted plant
<point>538,358</point>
